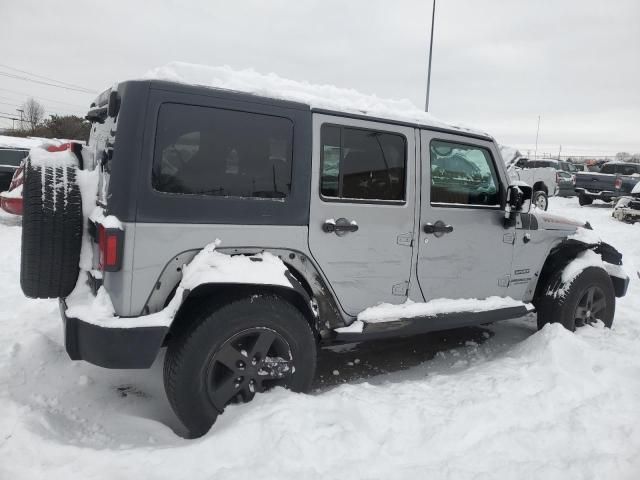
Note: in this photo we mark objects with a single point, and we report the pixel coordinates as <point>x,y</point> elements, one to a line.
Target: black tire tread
<point>51,232</point>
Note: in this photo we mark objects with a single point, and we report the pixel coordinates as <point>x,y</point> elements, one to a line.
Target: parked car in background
<point>566,184</point>
<point>559,165</point>
<point>614,180</point>
<point>10,159</point>
<point>627,208</point>
<point>543,179</point>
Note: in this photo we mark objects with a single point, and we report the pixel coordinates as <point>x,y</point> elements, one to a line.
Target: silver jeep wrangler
<point>333,227</point>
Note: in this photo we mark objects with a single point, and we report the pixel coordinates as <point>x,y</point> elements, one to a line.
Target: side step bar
<point>406,327</point>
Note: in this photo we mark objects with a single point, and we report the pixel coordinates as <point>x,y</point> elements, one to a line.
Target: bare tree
<point>33,113</point>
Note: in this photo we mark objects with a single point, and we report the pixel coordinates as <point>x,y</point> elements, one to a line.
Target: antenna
<point>433,19</point>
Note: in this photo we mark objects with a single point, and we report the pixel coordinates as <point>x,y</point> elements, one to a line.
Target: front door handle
<point>437,229</point>
<point>340,226</point>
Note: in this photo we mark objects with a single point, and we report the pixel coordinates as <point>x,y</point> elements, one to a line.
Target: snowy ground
<point>500,402</point>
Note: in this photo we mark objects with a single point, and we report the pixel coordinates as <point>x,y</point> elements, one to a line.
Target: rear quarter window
<point>218,152</point>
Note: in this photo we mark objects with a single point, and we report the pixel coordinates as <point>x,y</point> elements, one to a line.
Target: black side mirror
<point>518,201</point>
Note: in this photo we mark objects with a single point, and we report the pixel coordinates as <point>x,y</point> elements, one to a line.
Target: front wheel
<point>234,351</point>
<point>589,297</point>
<point>584,200</point>
<point>541,200</point>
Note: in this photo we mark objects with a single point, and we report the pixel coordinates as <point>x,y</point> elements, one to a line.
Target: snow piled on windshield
<point>326,97</point>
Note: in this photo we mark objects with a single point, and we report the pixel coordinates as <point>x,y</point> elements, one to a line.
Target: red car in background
<point>11,200</point>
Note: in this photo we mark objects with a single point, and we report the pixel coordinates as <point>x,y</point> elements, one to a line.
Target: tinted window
<point>362,164</point>
<point>210,151</point>
<point>462,174</point>
<point>12,157</point>
<point>608,168</point>
<point>627,169</point>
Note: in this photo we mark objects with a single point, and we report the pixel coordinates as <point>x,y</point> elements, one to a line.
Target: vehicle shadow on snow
<point>353,362</point>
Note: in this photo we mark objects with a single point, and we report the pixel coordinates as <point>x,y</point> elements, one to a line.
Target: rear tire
<point>201,381</point>
<point>584,200</point>
<point>589,297</point>
<point>51,231</point>
<point>541,200</point>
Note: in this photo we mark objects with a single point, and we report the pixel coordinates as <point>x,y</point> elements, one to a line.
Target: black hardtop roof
<point>250,97</point>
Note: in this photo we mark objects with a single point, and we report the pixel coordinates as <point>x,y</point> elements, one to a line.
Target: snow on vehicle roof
<point>321,97</point>
<point>7,141</point>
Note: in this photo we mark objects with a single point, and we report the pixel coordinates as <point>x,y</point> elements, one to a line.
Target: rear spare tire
<point>51,231</point>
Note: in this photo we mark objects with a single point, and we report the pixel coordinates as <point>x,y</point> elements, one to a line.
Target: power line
<point>45,78</point>
<point>39,98</point>
<point>25,79</point>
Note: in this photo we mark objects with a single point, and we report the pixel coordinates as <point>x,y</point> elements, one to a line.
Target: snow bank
<point>387,312</point>
<point>270,85</point>
<point>208,266</point>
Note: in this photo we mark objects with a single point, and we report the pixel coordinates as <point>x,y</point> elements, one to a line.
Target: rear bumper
<point>111,347</point>
<point>600,194</point>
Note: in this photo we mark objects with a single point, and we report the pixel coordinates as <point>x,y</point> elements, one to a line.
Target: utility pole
<point>560,152</point>
<point>433,20</point>
<point>535,155</point>
<point>21,118</point>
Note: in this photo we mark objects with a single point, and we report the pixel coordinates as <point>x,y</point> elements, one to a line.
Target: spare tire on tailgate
<point>51,229</point>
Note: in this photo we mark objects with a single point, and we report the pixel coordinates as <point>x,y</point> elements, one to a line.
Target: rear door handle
<point>340,226</point>
<point>438,229</point>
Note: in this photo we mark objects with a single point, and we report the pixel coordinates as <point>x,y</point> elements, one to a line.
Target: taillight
<point>618,183</point>
<point>110,243</point>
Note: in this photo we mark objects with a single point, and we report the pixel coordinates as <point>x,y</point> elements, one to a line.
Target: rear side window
<point>627,169</point>
<point>463,175</point>
<point>12,157</point>
<point>362,164</point>
<point>608,168</point>
<point>211,151</point>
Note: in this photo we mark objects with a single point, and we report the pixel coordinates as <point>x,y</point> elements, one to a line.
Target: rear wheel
<point>541,200</point>
<point>584,199</point>
<point>233,351</point>
<point>589,297</point>
<point>51,231</point>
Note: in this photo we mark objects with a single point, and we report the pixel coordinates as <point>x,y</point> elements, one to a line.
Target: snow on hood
<point>636,188</point>
<point>327,97</point>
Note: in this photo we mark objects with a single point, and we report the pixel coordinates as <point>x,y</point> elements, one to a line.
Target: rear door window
<point>212,151</point>
<point>361,164</point>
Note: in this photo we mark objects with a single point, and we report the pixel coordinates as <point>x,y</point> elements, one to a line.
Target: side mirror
<point>518,201</point>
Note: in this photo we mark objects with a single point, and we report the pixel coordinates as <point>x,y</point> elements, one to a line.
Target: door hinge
<point>400,289</point>
<point>504,281</point>
<point>509,238</point>
<point>405,239</point>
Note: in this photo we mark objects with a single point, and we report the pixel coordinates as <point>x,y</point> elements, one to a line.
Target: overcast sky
<point>497,64</point>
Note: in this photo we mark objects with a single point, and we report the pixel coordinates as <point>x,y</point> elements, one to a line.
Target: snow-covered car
<point>245,224</point>
<point>627,208</point>
<point>543,179</point>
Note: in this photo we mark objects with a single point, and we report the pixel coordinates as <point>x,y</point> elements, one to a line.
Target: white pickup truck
<point>542,179</point>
